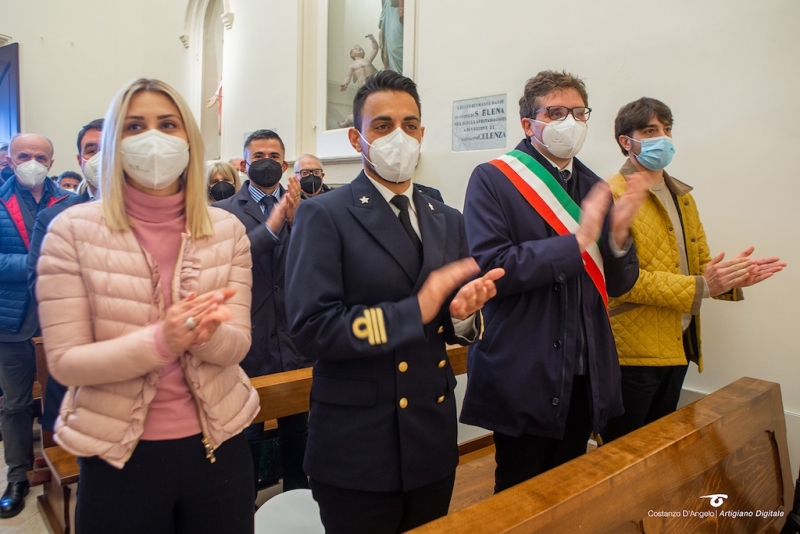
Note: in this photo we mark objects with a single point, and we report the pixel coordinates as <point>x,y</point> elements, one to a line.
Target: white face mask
<point>154,159</point>
<point>31,174</point>
<point>563,139</point>
<point>394,157</point>
<point>91,170</point>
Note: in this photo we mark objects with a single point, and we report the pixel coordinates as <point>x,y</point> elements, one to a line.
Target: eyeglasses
<point>304,173</point>
<point>559,113</point>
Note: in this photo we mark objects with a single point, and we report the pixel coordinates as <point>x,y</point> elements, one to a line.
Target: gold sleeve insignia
<point>370,326</point>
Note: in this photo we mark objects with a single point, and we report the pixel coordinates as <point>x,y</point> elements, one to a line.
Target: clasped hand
<point>742,271</point>
<point>207,312</point>
<point>470,298</point>
<point>283,211</point>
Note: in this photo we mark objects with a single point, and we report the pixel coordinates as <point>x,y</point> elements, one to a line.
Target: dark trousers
<point>523,457</point>
<point>292,436</point>
<point>346,511</point>
<point>648,393</point>
<point>17,372</point>
<point>53,395</point>
<point>169,487</point>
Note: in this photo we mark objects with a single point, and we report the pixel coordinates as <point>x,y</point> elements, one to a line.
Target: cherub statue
<point>361,68</point>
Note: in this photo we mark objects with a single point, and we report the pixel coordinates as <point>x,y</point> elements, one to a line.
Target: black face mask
<point>310,184</point>
<point>265,172</point>
<point>7,173</point>
<point>222,190</point>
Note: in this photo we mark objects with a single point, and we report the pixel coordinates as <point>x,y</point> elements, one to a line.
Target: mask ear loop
<point>363,153</point>
<point>533,137</point>
<point>635,141</point>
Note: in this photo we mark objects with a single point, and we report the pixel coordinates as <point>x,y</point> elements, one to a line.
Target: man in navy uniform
<point>373,267</point>
<point>267,209</point>
<point>546,374</point>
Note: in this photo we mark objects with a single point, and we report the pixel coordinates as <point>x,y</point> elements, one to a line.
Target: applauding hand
<point>195,319</point>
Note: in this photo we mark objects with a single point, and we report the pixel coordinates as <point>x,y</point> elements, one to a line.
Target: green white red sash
<point>555,206</point>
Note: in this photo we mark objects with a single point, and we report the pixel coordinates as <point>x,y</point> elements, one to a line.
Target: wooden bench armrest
<point>63,465</point>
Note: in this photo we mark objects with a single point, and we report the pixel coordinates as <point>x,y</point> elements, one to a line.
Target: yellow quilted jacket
<point>646,320</point>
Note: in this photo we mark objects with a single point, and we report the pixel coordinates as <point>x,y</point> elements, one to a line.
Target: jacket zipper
<point>175,297</point>
<point>206,441</point>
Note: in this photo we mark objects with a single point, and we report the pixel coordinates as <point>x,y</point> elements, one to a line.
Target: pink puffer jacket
<point>99,303</point>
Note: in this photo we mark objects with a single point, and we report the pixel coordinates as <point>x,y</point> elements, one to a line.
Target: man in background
<point>267,209</point>
<point>24,195</point>
<point>308,169</point>
<point>69,181</point>
<point>6,172</point>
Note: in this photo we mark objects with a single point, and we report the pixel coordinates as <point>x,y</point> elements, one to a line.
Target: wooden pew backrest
<point>657,479</point>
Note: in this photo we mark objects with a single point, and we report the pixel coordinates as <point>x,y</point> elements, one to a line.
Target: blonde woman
<point>144,301</point>
<point>223,181</point>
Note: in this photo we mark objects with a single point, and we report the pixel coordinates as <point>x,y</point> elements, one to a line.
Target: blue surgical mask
<point>656,152</point>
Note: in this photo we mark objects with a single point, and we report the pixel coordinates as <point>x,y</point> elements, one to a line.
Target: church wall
<point>260,73</point>
<point>74,57</point>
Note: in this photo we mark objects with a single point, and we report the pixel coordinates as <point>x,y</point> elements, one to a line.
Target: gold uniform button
<point>440,399</point>
<point>441,329</point>
<point>442,364</point>
<point>403,402</point>
<point>402,367</point>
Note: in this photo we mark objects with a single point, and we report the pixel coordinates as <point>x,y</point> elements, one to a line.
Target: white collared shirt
<point>388,195</point>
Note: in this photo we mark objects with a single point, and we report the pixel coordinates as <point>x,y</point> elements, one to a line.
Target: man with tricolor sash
<point>657,323</point>
<point>545,375</point>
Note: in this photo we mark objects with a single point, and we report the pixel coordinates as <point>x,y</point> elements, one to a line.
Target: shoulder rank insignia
<point>430,206</point>
<point>370,326</point>
<point>364,200</point>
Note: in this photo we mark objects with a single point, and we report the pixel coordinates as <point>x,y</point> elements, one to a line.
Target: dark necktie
<point>569,185</point>
<point>401,202</point>
<point>268,202</point>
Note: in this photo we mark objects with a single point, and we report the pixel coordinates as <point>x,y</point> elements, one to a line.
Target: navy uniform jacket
<point>521,372</point>
<point>272,350</point>
<point>430,191</point>
<point>383,414</point>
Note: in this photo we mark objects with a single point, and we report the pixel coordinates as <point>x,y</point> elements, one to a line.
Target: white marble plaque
<point>479,123</point>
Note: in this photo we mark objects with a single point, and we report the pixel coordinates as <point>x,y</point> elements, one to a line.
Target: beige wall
<point>261,73</point>
<point>75,55</point>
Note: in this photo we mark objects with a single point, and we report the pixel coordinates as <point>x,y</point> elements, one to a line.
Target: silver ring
<point>191,323</point>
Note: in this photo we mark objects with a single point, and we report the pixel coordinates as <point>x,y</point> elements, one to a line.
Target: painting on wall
<point>364,36</point>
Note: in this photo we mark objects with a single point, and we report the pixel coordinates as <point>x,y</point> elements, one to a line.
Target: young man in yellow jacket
<point>656,324</point>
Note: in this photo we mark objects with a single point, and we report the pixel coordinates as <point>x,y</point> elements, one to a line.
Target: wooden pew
<point>281,394</point>
<point>288,393</point>
<point>732,442</point>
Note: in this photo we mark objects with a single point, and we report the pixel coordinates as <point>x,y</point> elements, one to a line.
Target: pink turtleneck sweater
<point>159,223</point>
